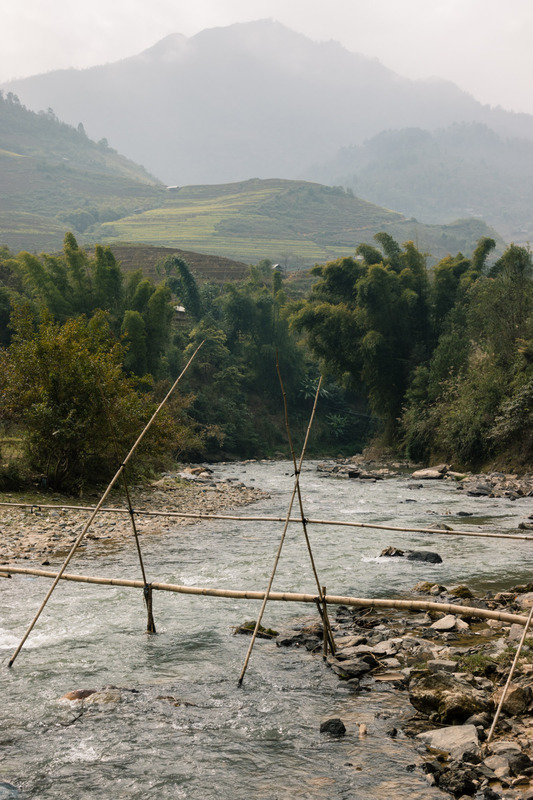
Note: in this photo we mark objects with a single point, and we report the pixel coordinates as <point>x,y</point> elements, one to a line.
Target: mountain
<point>249,100</point>
<point>466,170</point>
<point>54,179</point>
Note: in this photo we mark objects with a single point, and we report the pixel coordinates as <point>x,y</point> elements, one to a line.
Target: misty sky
<point>484,46</point>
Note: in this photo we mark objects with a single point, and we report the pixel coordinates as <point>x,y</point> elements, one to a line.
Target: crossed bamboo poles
<point>88,524</point>
<point>296,491</point>
<point>321,600</point>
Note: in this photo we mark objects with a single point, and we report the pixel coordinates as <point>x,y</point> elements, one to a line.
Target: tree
<point>74,284</point>
<point>65,384</point>
<point>133,332</point>
<point>368,321</point>
<point>472,399</point>
<point>184,286</point>
<point>157,318</point>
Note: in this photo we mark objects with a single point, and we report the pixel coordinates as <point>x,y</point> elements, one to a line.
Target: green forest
<point>433,363</point>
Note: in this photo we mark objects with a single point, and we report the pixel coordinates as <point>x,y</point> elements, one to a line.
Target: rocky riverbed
<point>450,669</point>
<point>36,533</point>
<point>491,484</point>
<point>453,671</point>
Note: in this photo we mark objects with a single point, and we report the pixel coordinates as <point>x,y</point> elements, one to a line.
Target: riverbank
<point>488,484</point>
<point>35,533</point>
<point>453,670</point>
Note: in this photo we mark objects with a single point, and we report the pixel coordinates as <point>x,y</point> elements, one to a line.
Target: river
<point>182,727</point>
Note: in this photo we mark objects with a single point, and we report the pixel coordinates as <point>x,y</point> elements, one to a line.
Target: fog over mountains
<point>249,100</point>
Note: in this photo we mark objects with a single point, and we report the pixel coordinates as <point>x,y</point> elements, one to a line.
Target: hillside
<point>461,171</point>
<point>293,223</point>
<point>54,178</point>
<point>214,269</point>
<point>249,100</point>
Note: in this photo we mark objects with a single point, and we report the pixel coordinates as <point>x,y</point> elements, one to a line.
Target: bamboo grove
<point>435,362</point>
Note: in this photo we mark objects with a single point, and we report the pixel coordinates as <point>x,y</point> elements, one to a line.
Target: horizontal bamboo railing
<point>297,520</point>
<point>287,597</point>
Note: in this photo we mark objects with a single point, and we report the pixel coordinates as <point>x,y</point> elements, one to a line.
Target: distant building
<point>180,315</point>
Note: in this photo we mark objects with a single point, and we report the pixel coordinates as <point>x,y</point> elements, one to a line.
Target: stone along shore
<point>39,534</point>
<point>451,671</point>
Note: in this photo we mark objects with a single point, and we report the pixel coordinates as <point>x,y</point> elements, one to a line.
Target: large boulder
<point>455,739</point>
<point>445,698</point>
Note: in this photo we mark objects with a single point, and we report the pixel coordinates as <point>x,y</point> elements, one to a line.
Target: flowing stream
<point>182,727</point>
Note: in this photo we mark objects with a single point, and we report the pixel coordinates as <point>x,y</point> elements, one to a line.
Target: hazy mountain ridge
<point>460,171</point>
<point>26,133</point>
<point>249,100</point>
<point>105,198</point>
<point>54,178</point>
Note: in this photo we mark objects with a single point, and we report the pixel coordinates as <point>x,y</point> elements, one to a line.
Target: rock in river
<point>445,698</point>
<point>412,555</point>
<point>334,726</point>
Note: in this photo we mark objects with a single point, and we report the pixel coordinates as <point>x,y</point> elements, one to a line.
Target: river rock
<point>504,747</point>
<point>308,635</point>
<point>520,764</point>
<point>459,780</point>
<point>516,632</point>
<point>345,653</point>
<point>455,739</point>
<point>446,623</point>
<point>442,665</point>
<point>461,591</point>
<point>334,726</point>
<point>499,765</point>
<point>387,647</point>
<point>426,587</point>
<point>8,791</point>
<point>431,473</point>
<point>412,555</point>
<point>350,641</point>
<point>516,700</point>
<point>525,600</point>
<point>79,694</point>
<point>479,489</point>
<point>353,667</point>
<point>445,698</point>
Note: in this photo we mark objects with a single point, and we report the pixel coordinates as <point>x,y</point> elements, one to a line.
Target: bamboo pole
<point>99,504</point>
<point>147,592</point>
<point>286,597</point>
<point>327,634</point>
<point>294,520</point>
<point>278,554</point>
<point>511,673</point>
